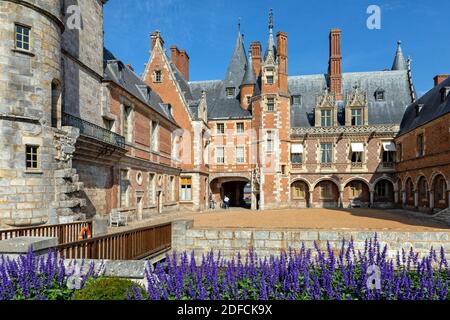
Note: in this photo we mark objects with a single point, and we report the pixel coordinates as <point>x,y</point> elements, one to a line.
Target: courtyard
<point>329,219</point>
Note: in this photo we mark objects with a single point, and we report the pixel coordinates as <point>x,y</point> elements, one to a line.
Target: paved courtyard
<point>349,219</point>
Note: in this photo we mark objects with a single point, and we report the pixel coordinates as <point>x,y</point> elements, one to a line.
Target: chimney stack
<point>282,61</point>
<point>154,36</point>
<point>180,59</point>
<point>440,78</point>
<point>255,49</point>
<point>335,64</point>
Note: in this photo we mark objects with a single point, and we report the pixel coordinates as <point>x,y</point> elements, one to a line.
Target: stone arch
<point>375,182</point>
<point>384,192</point>
<point>423,190</point>
<point>409,192</point>
<point>326,193</point>
<point>439,191</point>
<point>310,187</point>
<point>356,193</point>
<point>436,175</point>
<point>300,193</point>
<point>336,182</point>
<point>418,178</point>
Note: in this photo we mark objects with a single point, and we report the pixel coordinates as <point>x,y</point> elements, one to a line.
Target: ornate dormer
<point>326,109</point>
<point>356,110</point>
<point>270,67</point>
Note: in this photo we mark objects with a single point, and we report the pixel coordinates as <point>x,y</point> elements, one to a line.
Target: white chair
<point>116,217</point>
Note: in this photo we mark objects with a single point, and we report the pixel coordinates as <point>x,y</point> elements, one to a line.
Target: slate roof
<point>399,60</point>
<point>133,84</point>
<point>432,107</point>
<point>395,85</point>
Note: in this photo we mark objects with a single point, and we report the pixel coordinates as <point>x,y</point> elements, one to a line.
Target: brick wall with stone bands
<point>268,242</point>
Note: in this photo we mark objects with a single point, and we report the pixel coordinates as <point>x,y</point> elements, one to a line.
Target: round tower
<point>30,102</point>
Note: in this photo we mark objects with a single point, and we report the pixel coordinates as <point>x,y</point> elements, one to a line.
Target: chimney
<point>155,36</point>
<point>282,61</point>
<point>335,64</point>
<point>180,59</point>
<point>440,78</point>
<point>255,49</point>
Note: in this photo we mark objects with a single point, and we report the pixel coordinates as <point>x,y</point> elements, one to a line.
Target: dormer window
<point>357,117</point>
<point>157,76</point>
<point>231,92</point>
<point>379,95</point>
<point>419,108</point>
<point>326,118</point>
<point>297,100</point>
<point>445,93</point>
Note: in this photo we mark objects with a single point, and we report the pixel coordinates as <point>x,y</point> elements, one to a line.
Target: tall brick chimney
<point>154,36</point>
<point>440,78</point>
<point>180,59</point>
<point>282,61</point>
<point>255,49</point>
<point>335,63</point>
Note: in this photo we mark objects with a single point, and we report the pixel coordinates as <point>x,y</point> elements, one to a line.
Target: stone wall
<point>267,242</point>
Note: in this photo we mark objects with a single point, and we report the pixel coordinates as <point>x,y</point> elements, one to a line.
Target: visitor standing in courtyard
<point>226,201</point>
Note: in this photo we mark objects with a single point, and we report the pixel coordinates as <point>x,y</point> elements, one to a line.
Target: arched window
<point>56,104</point>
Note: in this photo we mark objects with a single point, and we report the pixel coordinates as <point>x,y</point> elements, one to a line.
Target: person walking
<point>226,201</point>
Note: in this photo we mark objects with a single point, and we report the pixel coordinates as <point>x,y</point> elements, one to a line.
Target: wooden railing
<point>65,233</point>
<point>128,245</point>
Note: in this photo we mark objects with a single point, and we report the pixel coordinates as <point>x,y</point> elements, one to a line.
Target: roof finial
<point>270,19</point>
<point>239,25</point>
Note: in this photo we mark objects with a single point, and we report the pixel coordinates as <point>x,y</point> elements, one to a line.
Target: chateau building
<point>82,134</point>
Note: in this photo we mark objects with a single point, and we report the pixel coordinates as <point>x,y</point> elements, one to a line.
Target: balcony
<point>297,166</point>
<point>388,165</point>
<point>357,165</point>
<point>94,131</point>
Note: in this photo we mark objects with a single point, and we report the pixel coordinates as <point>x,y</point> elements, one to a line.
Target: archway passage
<point>384,194</point>
<point>300,196</point>
<point>238,190</point>
<point>326,195</point>
<point>356,194</point>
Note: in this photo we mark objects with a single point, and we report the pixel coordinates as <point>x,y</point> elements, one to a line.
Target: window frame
<point>356,120</point>
<point>220,160</point>
<point>240,124</point>
<point>420,145</point>
<point>186,184</point>
<point>326,115</point>
<point>324,152</point>
<point>124,203</point>
<point>35,164</point>
<point>240,159</point>
<point>16,33</point>
<point>298,190</point>
<point>220,132</point>
<point>270,102</point>
<point>270,141</point>
<point>157,76</point>
<point>230,94</point>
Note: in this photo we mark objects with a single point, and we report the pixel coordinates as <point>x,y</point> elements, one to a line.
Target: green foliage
<point>108,289</point>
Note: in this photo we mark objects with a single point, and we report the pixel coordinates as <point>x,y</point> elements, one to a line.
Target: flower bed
<point>304,275</point>
<point>296,275</point>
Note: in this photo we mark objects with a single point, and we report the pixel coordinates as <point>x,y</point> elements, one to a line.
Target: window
<point>154,135</point>
<point>296,100</point>
<point>442,189</point>
<point>326,151</point>
<point>388,156</point>
<point>151,188</point>
<point>326,190</point>
<point>356,117</point>
<point>444,93</point>
<point>400,152</point>
<point>420,146</point>
<point>249,100</point>
<point>158,76</point>
<point>423,188</point>
<point>186,188</point>
<point>108,124</point>
<point>240,127</point>
<point>270,141</point>
<point>32,157</point>
<point>379,95</point>
<point>240,154</point>
<point>356,190</point>
<point>326,118</point>
<point>357,157</point>
<point>296,158</point>
<point>231,92</point>
<point>22,37</point>
<point>220,128</point>
<point>127,123</point>
<point>172,188</point>
<point>269,76</point>
<point>270,104</point>
<point>298,191</point>
<point>283,169</point>
<point>220,155</point>
<point>124,183</point>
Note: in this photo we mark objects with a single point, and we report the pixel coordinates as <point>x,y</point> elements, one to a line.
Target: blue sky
<point>207,30</point>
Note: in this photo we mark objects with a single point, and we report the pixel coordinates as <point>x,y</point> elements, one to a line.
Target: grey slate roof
<point>130,82</point>
<point>237,66</point>
<point>390,111</point>
<point>249,76</point>
<point>432,108</point>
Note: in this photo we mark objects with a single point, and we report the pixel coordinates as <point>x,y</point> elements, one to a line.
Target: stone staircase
<point>443,216</point>
<point>69,201</point>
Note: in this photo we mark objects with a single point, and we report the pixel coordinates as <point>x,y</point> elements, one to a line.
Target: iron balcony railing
<point>94,131</point>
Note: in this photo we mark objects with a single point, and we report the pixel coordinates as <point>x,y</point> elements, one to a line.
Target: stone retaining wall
<point>267,242</point>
